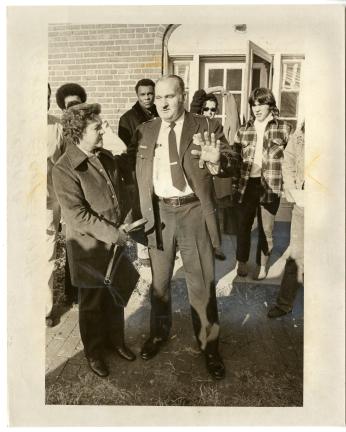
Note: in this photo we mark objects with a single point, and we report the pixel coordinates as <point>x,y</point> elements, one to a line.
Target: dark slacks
<point>289,286</point>
<point>184,227</point>
<point>246,212</point>
<point>101,320</point>
<point>71,292</point>
<point>294,268</point>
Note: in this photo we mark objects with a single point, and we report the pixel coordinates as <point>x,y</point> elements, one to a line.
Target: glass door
<point>258,72</point>
<point>224,77</point>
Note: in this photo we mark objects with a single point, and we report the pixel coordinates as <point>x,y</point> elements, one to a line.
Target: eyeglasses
<point>209,109</point>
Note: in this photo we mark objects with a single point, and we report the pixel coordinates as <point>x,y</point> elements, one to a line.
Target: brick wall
<point>106,59</point>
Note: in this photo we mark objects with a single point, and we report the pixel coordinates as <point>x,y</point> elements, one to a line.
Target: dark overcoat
<point>131,119</point>
<point>91,193</point>
<point>199,179</point>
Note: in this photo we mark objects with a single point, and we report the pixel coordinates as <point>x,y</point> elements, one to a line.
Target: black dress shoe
<point>98,366</point>
<point>276,312</point>
<point>124,352</point>
<point>150,348</point>
<point>215,365</point>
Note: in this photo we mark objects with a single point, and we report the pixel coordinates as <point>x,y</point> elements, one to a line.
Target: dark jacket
<point>199,179</point>
<point>90,192</point>
<point>131,119</point>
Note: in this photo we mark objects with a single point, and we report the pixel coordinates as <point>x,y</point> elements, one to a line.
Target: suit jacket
<point>199,179</point>
<point>91,194</point>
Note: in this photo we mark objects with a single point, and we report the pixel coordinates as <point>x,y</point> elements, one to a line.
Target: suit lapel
<point>190,127</point>
<point>150,141</point>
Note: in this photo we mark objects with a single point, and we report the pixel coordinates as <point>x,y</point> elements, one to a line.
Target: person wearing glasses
<point>207,104</point>
<point>89,183</point>
<point>210,106</point>
<point>209,109</point>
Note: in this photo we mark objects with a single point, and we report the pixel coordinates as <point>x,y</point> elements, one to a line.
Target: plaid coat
<point>274,142</point>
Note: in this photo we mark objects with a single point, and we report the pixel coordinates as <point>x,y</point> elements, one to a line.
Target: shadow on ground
<point>263,358</point>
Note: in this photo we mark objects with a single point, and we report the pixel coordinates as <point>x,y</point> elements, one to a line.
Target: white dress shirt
<point>162,179</point>
<point>256,169</point>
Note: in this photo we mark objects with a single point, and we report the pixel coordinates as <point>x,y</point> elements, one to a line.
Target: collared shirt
<point>256,168</point>
<point>162,179</point>
<point>275,139</point>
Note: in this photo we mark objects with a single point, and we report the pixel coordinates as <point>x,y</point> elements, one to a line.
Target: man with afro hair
<point>70,92</point>
<point>67,95</point>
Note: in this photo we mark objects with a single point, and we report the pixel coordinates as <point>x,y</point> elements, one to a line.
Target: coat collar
<point>77,157</point>
<point>142,114</point>
<point>250,123</point>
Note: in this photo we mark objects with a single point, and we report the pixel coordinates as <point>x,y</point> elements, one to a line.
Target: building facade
<point>108,60</point>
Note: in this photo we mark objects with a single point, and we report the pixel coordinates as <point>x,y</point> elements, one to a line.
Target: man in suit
<point>176,197</point>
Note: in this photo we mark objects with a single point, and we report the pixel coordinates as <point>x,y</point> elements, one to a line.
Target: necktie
<point>177,173</point>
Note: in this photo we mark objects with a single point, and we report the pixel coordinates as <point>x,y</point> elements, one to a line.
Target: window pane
<point>219,100</point>
<point>288,104</point>
<point>233,80</point>
<point>256,74</point>
<point>215,77</point>
<point>182,70</point>
<point>291,76</point>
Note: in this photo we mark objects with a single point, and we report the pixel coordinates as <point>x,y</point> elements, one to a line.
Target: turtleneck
<point>256,169</point>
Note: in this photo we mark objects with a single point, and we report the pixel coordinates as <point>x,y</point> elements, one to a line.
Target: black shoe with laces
<point>150,348</point>
<point>98,366</point>
<point>124,352</point>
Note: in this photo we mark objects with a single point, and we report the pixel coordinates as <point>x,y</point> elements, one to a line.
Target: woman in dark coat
<point>89,186</point>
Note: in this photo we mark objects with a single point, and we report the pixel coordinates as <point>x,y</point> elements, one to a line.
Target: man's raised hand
<point>210,150</point>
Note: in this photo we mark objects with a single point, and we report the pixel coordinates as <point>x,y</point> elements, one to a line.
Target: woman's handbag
<point>121,276</point>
